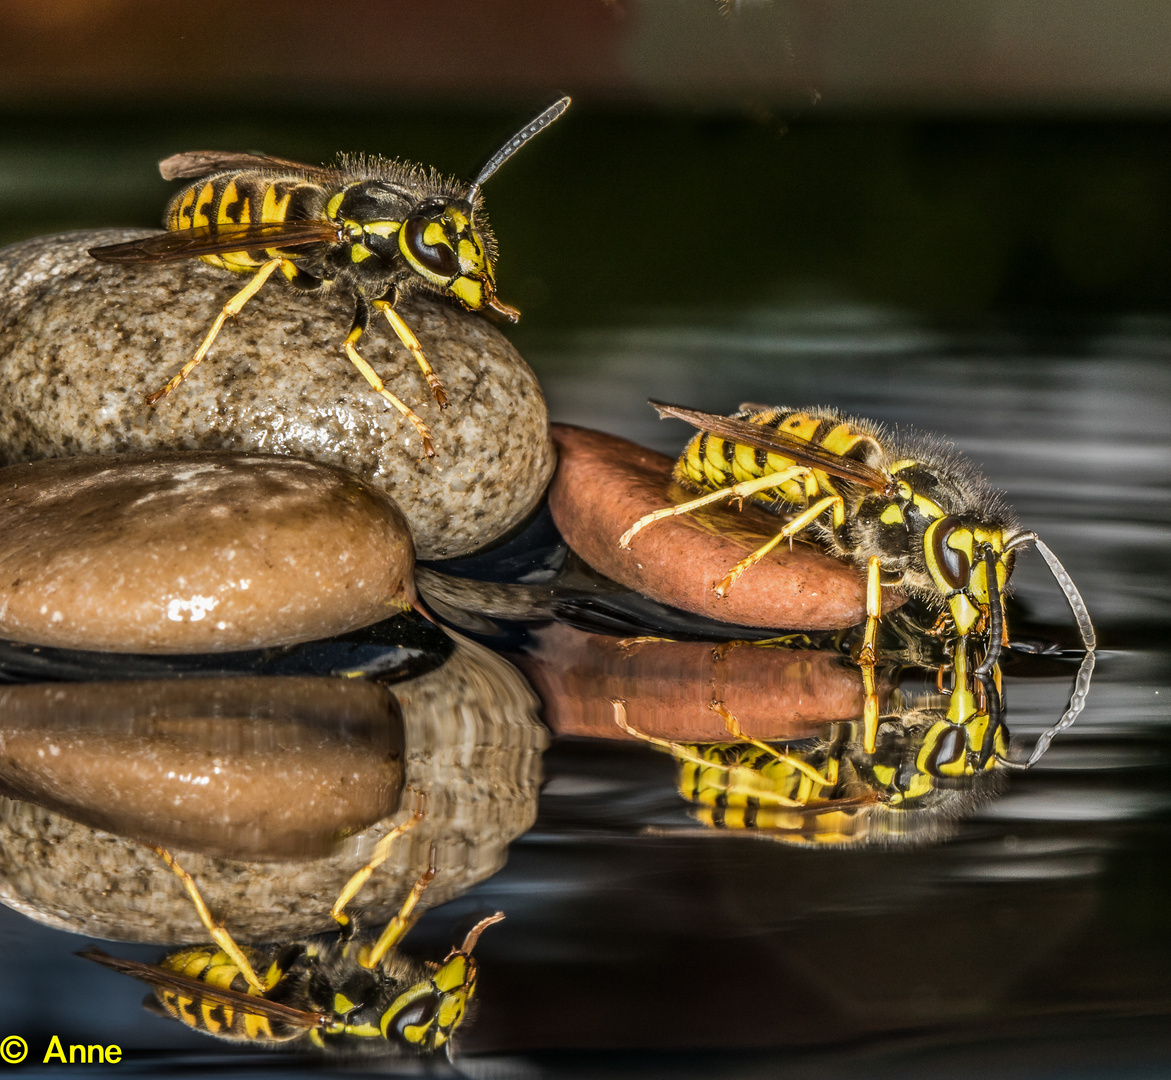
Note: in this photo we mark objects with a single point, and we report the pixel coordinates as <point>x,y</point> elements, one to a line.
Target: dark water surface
<point>1030,938</point>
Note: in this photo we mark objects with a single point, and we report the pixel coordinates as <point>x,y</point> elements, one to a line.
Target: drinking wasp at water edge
<point>910,511</point>
<point>345,995</point>
<point>374,229</point>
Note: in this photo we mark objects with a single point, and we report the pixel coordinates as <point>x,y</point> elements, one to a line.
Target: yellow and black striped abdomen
<point>215,968</point>
<point>246,198</point>
<point>710,463</point>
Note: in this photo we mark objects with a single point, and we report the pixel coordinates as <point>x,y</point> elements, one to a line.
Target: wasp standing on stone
<point>912,514</point>
<point>348,994</point>
<point>377,230</point>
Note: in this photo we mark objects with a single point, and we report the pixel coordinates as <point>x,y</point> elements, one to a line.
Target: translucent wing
<point>210,239</point>
<point>196,163</point>
<point>201,991</point>
<point>779,442</point>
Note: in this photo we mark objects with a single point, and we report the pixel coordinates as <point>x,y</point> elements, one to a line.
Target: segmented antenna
<point>1076,603</point>
<point>515,143</point>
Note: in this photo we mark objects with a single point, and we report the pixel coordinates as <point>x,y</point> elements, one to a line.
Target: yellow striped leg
<point>680,751</point>
<point>379,387</point>
<point>737,733</point>
<point>801,521</point>
<point>218,933</point>
<point>381,852</point>
<point>229,310</point>
<point>737,491</point>
<point>416,350</point>
<point>401,923</point>
<point>869,651</point>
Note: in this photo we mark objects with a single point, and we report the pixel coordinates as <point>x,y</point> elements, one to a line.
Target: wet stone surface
<point>82,343</point>
<point>173,553</point>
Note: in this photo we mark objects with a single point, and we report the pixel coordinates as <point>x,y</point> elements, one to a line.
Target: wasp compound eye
<point>954,566</point>
<point>947,753</point>
<point>438,258</point>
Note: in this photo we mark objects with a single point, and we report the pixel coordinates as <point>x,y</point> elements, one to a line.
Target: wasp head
<point>443,245</point>
<point>959,553</point>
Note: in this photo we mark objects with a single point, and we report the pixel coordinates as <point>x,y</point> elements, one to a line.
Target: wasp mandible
<point>374,229</point>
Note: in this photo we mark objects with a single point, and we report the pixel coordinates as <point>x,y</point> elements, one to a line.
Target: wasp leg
<point>218,933</point>
<point>630,645</point>
<point>361,321</point>
<point>785,641</point>
<point>737,733</point>
<point>381,851</point>
<point>416,350</point>
<point>801,521</point>
<point>737,491</point>
<point>229,310</point>
<point>869,651</point>
<point>397,928</point>
<point>678,750</point>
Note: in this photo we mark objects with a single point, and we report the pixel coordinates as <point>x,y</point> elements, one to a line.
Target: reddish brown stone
<point>604,484</point>
<point>668,686</point>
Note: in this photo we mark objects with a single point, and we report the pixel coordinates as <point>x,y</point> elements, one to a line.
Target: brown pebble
<point>82,343</point>
<point>241,768</point>
<point>604,484</point>
<point>173,553</point>
<point>668,687</point>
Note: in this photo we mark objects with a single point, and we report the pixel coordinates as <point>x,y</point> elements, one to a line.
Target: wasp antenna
<point>1077,702</point>
<point>1076,603</point>
<point>515,143</point>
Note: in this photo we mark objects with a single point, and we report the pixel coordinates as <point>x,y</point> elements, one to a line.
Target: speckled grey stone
<point>82,343</point>
<point>473,744</point>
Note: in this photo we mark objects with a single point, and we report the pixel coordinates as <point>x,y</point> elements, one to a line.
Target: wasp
<point>346,994</point>
<point>912,514</point>
<point>377,230</point>
<point>929,763</point>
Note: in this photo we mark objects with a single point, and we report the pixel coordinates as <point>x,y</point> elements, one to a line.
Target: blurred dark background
<point>962,161</point>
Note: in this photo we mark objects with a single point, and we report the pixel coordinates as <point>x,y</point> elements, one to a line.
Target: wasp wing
<point>196,163</point>
<point>201,991</point>
<point>211,239</point>
<point>779,442</point>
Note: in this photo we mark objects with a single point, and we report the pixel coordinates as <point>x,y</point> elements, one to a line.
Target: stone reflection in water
<point>787,743</point>
<point>71,854</point>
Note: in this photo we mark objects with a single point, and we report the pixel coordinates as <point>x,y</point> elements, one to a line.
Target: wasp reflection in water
<point>464,735</point>
<point>927,764</point>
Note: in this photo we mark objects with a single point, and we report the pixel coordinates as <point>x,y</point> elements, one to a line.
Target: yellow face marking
<point>892,515</point>
<point>964,613</point>
<point>454,973</point>
<point>457,218</point>
<point>274,209</point>
<point>433,235</point>
<point>469,291</point>
<point>451,1011</point>
<point>199,217</point>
